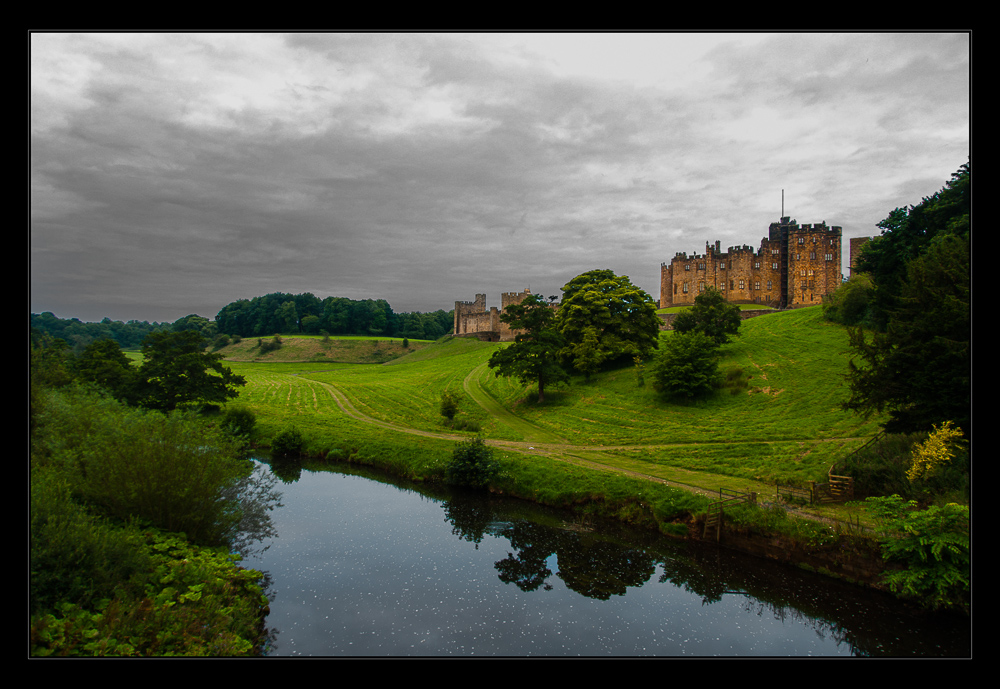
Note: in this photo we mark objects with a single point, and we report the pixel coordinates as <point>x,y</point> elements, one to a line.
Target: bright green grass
<point>787,426</point>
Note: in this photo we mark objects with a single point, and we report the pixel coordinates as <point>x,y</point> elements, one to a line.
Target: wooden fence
<point>727,498</point>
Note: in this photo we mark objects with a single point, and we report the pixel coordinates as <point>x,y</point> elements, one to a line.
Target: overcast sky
<point>175,173</point>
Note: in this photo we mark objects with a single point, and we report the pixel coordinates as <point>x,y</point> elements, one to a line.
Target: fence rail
<point>727,498</point>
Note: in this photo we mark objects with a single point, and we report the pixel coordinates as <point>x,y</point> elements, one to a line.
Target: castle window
<point>756,265</point>
<point>756,285</point>
<point>774,266</point>
<point>701,286</point>
<point>722,266</point>
<point>812,255</point>
<point>685,288</point>
<point>802,240</point>
<point>742,284</point>
<point>687,266</point>
<point>701,266</point>
<point>731,285</point>
<point>828,257</point>
<point>768,285</point>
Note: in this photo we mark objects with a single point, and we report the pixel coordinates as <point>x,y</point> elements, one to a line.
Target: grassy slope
<point>361,350</point>
<point>787,426</point>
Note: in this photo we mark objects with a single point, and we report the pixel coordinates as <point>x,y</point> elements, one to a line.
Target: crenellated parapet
<point>794,265</point>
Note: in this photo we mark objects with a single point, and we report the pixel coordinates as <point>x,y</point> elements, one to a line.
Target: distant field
<point>786,425</point>
<point>347,349</point>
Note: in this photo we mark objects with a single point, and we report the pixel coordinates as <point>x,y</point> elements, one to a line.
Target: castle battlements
<point>794,265</point>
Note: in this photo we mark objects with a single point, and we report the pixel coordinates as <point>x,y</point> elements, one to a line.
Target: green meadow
<point>780,422</point>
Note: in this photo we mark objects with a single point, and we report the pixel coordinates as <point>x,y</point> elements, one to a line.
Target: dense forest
<point>306,313</point>
<point>259,317</point>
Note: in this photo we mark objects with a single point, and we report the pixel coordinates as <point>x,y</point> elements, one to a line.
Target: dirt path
<point>580,455</point>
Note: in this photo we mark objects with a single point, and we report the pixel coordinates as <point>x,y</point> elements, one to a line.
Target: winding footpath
<point>538,441</point>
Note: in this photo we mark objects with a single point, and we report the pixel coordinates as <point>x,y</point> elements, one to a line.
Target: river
<point>366,566</point>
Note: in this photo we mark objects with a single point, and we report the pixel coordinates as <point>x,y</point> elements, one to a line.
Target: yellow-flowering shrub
<point>938,450</point>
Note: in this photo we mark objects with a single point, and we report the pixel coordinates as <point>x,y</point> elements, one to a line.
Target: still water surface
<point>365,567</point>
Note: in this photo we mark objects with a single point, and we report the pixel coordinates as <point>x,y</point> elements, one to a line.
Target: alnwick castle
<point>795,265</point>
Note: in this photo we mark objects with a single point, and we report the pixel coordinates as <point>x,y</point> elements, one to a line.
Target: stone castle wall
<point>795,265</point>
<point>473,319</point>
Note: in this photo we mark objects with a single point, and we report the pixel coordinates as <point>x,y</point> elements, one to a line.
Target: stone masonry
<point>795,265</point>
<point>473,319</point>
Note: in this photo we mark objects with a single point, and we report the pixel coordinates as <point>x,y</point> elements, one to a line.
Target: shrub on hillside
<point>288,443</point>
<point>239,422</point>
<point>472,464</point>
<point>687,366</point>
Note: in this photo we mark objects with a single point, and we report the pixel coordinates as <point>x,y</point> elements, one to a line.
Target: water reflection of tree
<point>590,566</point>
<point>529,568</point>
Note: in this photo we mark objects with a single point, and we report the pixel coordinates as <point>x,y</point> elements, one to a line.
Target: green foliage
<point>533,357</point>
<point>587,355</point>
<point>177,372</point>
<point>907,233</point>
<point>76,557</point>
<point>167,470</point>
<point>609,307</point>
<point>473,464</point>
<point>288,442</point>
<point>932,548</point>
<point>272,345</point>
<point>880,468</point>
<point>687,366</point>
<point>449,404</point>
<point>711,315</point>
<point>848,305</point>
<point>104,364</point>
<point>196,602</point>
<point>919,371</point>
<point>239,421</point>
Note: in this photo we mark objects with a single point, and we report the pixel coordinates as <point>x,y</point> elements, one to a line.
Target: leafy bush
<point>271,346</point>
<point>473,464</point>
<point>288,443</point>
<point>687,365</point>
<point>74,556</point>
<point>240,422</point>
<point>932,548</point>
<point>197,602</point>
<point>449,404</point>
<point>848,305</point>
<point>167,470</point>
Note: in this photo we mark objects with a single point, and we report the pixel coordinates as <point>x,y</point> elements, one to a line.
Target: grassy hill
<point>784,425</point>
<point>350,349</point>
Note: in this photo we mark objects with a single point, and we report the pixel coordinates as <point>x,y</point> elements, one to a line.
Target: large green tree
<point>907,233</point>
<point>609,307</point>
<point>916,365</point>
<point>711,315</point>
<point>177,371</point>
<point>919,370</point>
<point>533,357</point>
<point>105,364</point>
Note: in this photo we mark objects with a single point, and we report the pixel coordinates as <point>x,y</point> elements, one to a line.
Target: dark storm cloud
<point>175,173</point>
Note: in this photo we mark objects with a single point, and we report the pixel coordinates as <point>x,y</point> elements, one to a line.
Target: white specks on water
<point>365,569</point>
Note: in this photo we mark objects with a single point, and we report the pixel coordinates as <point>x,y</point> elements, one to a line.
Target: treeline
<point>259,317</point>
<point>306,313</point>
<point>909,305</point>
<point>78,334</point>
